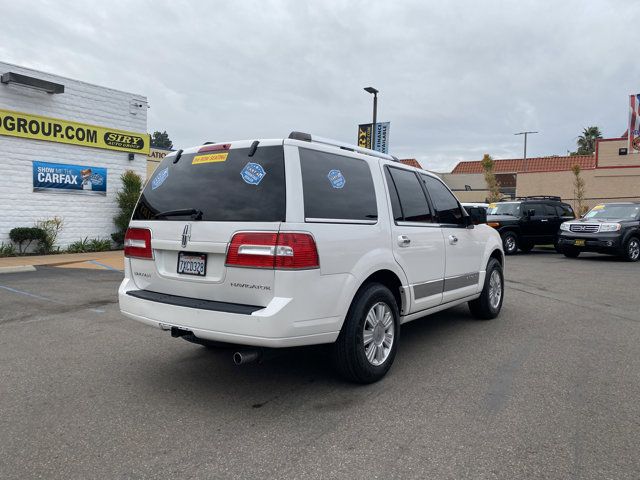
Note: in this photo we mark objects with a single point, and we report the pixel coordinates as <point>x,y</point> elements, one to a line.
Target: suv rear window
<point>337,187</point>
<point>236,188</point>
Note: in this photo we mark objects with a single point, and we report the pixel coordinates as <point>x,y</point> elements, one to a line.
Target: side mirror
<point>531,212</point>
<point>477,215</point>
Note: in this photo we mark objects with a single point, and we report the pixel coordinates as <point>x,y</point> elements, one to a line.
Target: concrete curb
<point>17,269</point>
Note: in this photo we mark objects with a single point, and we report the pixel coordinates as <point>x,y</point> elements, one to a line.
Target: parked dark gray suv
<point>612,228</point>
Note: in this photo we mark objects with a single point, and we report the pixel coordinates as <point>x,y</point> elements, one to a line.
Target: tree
<point>587,141</point>
<point>492,183</point>
<point>161,140</point>
<point>127,199</point>
<point>578,190</point>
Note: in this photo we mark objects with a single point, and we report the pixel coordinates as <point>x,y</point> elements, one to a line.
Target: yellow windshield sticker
<point>598,207</point>
<point>492,205</point>
<point>209,158</point>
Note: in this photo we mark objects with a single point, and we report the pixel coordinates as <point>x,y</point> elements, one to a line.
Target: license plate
<point>192,263</point>
<point>578,243</point>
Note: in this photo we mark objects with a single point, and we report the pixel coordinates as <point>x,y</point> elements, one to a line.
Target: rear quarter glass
<point>225,186</point>
<point>337,187</point>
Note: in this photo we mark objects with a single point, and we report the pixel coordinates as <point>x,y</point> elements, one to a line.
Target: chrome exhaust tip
<point>246,356</point>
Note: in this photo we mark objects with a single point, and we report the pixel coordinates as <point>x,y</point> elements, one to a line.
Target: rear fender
<point>382,259</point>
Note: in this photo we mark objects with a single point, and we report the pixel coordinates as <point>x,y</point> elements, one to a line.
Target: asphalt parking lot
<point>550,389</point>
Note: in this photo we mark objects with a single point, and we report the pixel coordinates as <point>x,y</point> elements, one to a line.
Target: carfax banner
<point>26,125</point>
<point>62,177</point>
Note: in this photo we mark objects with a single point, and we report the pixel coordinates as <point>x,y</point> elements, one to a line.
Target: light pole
<point>525,148</point>
<point>374,92</point>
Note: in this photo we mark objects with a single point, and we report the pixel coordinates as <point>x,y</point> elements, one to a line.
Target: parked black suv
<point>612,228</point>
<point>529,221</point>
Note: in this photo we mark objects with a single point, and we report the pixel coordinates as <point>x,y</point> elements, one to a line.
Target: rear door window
<point>550,210</point>
<point>393,196</point>
<point>447,207</point>
<point>538,209</point>
<point>565,210</point>
<point>412,200</point>
<point>225,185</point>
<point>337,187</point>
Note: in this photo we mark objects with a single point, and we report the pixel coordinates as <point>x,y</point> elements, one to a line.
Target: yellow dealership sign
<point>36,127</point>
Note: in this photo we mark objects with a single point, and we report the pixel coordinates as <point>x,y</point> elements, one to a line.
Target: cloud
<point>457,79</point>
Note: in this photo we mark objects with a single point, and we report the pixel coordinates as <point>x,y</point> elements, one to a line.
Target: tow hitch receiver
<point>180,332</point>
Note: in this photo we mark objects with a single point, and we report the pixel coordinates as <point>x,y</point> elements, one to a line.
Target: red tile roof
<point>536,164</point>
<point>412,162</point>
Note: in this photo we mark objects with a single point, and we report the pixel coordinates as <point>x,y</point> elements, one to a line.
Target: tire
<point>510,243</point>
<point>525,247</point>
<point>372,303</point>
<point>570,252</point>
<point>557,246</point>
<point>632,250</point>
<point>489,303</point>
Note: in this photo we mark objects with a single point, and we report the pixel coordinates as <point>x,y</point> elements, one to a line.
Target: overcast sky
<point>457,79</point>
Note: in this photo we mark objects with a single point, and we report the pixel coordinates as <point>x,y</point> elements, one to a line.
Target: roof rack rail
<point>540,197</point>
<point>307,137</point>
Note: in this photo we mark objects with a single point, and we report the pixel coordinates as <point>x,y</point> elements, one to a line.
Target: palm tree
<point>587,141</point>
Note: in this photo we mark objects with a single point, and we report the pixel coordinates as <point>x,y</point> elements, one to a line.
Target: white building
<point>57,135</point>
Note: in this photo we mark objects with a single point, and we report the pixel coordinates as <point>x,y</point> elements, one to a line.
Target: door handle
<point>544,220</point>
<point>453,239</point>
<point>403,240</point>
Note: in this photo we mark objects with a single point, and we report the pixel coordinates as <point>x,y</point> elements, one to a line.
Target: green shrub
<point>99,245</point>
<point>93,245</point>
<point>127,199</point>
<point>7,250</point>
<point>20,235</point>
<point>51,228</point>
<point>80,246</point>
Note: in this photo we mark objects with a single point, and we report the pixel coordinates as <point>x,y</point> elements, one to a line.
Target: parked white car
<point>475,205</point>
<point>302,241</point>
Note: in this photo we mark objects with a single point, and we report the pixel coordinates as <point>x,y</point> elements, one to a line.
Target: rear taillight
<point>137,243</point>
<point>249,249</point>
<point>296,250</point>
<point>285,250</point>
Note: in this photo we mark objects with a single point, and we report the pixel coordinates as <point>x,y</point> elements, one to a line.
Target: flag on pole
<point>634,123</point>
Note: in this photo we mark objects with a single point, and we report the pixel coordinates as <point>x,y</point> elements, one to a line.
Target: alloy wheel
<point>495,289</point>
<point>633,249</point>
<point>378,333</point>
<point>510,244</point>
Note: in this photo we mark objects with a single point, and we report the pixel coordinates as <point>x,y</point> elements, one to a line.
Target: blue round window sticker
<point>160,177</point>
<point>253,173</point>
<point>336,179</point>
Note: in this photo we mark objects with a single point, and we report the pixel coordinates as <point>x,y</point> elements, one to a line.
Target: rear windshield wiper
<point>195,214</point>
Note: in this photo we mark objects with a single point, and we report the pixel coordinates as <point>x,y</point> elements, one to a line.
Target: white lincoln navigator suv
<point>301,241</point>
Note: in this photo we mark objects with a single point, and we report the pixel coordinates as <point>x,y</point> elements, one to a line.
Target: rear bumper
<point>277,325</point>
